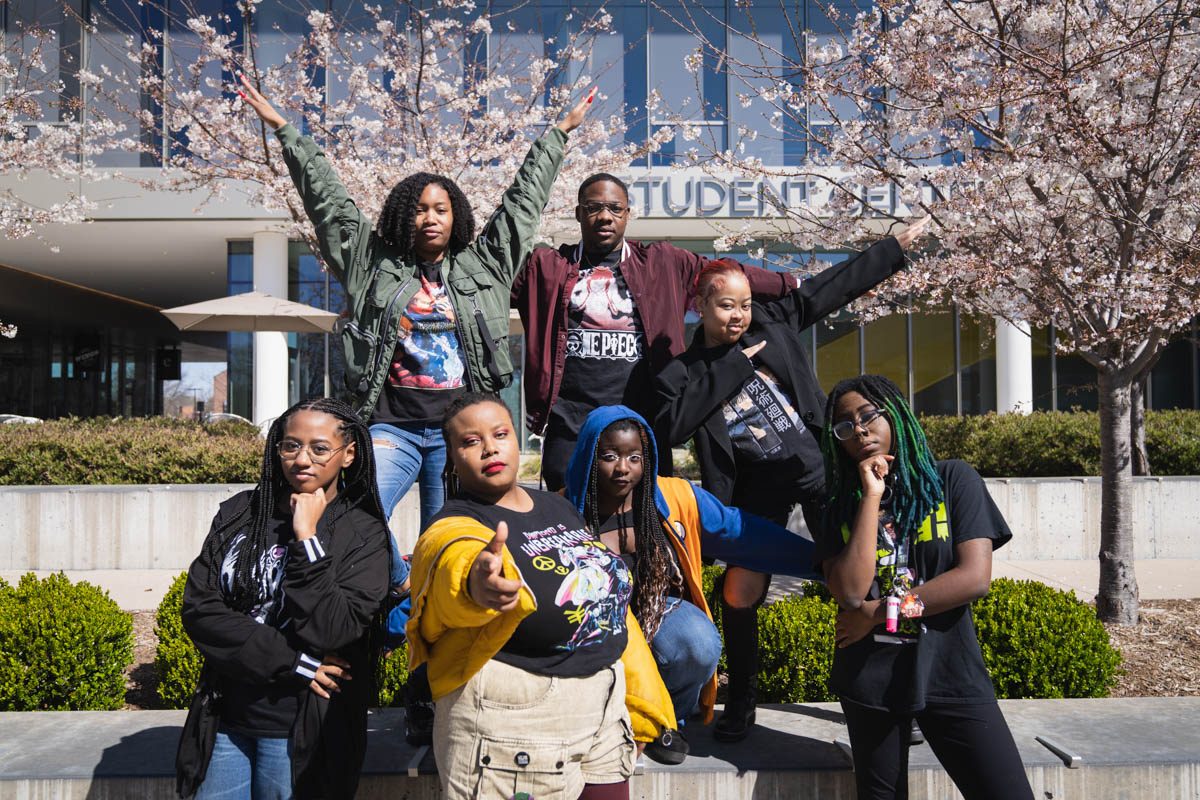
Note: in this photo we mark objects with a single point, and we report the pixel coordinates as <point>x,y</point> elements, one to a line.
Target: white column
<point>1014,367</point>
<point>270,348</point>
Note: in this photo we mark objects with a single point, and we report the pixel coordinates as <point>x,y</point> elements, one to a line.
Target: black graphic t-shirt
<point>778,459</point>
<point>605,345</point>
<point>427,370</point>
<point>255,709</point>
<point>582,588</point>
<point>934,658</point>
<point>615,522</point>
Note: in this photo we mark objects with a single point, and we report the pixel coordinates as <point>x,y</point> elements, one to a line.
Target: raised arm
<point>765,284</point>
<point>343,232</point>
<point>836,287</point>
<point>508,237</point>
<point>685,400</point>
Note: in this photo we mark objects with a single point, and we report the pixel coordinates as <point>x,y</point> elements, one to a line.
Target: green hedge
<point>1058,443</point>
<point>1043,642</point>
<point>176,659</point>
<point>63,646</point>
<point>1036,642</point>
<point>116,450</point>
<point>178,662</point>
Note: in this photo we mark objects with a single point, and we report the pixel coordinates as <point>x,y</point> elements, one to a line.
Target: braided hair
<point>656,573</point>
<point>450,484</point>
<point>916,487</point>
<point>359,489</point>
<point>395,225</point>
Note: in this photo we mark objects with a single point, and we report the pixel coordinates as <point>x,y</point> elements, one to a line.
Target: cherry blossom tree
<point>41,133</point>
<point>1056,145</point>
<point>387,91</point>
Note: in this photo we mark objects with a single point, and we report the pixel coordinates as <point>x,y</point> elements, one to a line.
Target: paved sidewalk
<point>1158,579</point>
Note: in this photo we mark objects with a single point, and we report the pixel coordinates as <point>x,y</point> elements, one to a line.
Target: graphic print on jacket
<point>762,422</point>
<point>427,354</point>
<point>271,565</point>
<point>602,321</point>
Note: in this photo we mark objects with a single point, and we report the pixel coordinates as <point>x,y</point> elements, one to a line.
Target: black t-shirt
<point>614,522</point>
<point>778,459</point>
<point>428,368</point>
<point>264,710</point>
<point>605,345</point>
<point>582,588</point>
<point>935,659</point>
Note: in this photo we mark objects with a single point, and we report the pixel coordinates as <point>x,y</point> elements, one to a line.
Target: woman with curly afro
<point>428,300</point>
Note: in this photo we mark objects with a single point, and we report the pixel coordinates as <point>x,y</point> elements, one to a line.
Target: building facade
<point>145,250</point>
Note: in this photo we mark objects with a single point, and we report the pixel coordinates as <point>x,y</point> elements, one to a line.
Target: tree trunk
<point>1137,427</point>
<point>1117,599</point>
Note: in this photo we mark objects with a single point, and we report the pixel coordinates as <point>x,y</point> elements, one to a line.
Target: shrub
<point>63,646</point>
<point>391,676</point>
<point>1042,642</point>
<point>1051,444</point>
<point>176,659</point>
<point>796,638</point>
<point>122,451</point>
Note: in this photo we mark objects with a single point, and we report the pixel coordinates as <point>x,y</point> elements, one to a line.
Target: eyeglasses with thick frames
<point>847,427</point>
<point>593,209</point>
<point>319,452</point>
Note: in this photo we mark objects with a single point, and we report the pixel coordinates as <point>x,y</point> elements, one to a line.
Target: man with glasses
<point>602,317</point>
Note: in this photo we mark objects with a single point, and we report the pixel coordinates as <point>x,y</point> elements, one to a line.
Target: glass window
<point>184,50</point>
<point>115,23</point>
<point>935,379</point>
<point>698,98</point>
<point>1173,379</point>
<point>767,34</point>
<point>977,364</point>
<point>886,342</point>
<point>48,31</point>
<point>1043,369</point>
<point>240,368</point>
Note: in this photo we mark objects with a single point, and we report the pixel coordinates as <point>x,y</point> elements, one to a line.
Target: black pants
<point>971,741</point>
<point>556,452</point>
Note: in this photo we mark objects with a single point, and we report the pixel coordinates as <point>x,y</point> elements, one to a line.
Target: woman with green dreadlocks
<point>906,545</point>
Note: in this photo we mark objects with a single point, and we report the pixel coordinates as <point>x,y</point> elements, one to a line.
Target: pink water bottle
<point>892,613</point>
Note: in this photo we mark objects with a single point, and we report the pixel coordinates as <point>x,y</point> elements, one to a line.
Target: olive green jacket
<point>380,280</point>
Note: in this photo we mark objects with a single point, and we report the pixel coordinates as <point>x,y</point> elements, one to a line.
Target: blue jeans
<point>404,455</point>
<point>687,648</point>
<point>247,767</point>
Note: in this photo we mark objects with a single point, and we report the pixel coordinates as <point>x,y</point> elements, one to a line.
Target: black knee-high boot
<point>740,631</point>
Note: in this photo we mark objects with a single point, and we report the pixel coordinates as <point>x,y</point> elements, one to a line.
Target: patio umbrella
<point>252,311</point>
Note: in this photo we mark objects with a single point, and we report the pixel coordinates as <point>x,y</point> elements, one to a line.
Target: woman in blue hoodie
<point>660,526</point>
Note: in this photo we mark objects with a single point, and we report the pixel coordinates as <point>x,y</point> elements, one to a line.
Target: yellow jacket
<point>456,636</point>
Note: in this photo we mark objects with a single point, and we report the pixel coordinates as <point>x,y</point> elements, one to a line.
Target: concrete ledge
<point>163,526</point>
<point>1129,749</point>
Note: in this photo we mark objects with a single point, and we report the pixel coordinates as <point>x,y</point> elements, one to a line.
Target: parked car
<point>16,419</point>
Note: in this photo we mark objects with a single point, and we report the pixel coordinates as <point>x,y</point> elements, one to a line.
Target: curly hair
<point>395,225</point>
<point>256,522</point>
<point>917,487</point>
<point>656,571</point>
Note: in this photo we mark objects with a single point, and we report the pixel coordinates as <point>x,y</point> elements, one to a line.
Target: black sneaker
<point>669,748</point>
<point>736,721</point>
<point>418,723</point>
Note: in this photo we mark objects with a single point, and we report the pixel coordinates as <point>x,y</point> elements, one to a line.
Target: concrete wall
<point>162,527</point>
<point>124,527</point>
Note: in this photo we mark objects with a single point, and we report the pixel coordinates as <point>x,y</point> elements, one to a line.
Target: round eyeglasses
<point>319,452</point>
<point>847,427</point>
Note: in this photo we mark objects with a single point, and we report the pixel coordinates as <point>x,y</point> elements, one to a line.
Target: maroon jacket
<point>661,278</point>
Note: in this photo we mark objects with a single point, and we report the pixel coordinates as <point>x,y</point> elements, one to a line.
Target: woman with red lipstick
<point>522,618</point>
<point>906,545</point>
<point>281,603</point>
<point>745,391</point>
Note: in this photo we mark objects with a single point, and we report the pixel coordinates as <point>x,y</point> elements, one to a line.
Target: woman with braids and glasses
<point>746,393</point>
<point>906,545</point>
<point>281,603</point>
<point>659,527</point>
<point>522,618</point>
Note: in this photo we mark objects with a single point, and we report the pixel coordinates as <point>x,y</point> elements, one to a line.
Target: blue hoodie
<point>727,534</point>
